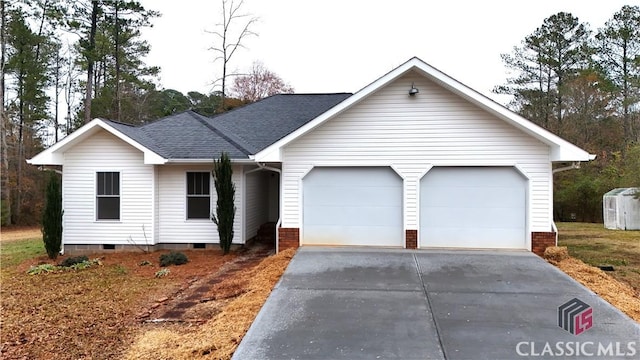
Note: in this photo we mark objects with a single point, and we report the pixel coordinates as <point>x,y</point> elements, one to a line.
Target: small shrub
<point>85,264</point>
<point>42,269</point>
<point>120,270</point>
<point>173,258</point>
<point>162,272</point>
<point>68,262</point>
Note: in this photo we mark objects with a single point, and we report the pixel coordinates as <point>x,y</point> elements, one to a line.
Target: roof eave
<point>561,150</point>
<point>54,154</point>
<point>207,161</point>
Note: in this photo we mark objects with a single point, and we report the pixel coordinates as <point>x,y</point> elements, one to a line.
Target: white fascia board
<point>561,150</point>
<point>208,161</point>
<point>54,154</point>
<point>273,152</point>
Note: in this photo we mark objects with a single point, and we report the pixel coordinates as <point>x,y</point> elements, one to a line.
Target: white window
<point>198,195</point>
<point>108,196</point>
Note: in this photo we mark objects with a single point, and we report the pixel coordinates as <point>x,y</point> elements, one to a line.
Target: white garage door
<point>473,207</point>
<point>352,206</point>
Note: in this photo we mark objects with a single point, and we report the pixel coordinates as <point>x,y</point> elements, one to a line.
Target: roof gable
<point>129,134</point>
<point>560,149</point>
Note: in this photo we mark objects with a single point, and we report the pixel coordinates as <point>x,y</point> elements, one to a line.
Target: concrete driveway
<point>335,303</point>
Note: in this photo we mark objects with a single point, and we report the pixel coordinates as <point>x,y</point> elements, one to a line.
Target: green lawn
<point>15,252</point>
<point>596,246</point>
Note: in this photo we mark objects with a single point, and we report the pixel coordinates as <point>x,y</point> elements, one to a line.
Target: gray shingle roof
<point>264,122</point>
<point>240,132</point>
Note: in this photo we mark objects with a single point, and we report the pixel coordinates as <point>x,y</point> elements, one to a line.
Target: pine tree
<point>225,207</point>
<point>52,218</point>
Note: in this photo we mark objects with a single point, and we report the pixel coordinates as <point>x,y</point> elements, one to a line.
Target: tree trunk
<point>90,61</point>
<point>117,58</point>
<point>20,155</point>
<point>4,182</point>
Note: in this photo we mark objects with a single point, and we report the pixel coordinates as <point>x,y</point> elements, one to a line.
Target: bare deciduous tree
<point>259,83</point>
<point>230,39</point>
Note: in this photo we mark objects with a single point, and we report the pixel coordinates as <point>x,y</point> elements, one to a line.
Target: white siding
<point>256,204</point>
<point>412,134</point>
<point>105,152</point>
<point>173,226</point>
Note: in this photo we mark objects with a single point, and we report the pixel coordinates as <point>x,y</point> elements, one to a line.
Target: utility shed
<point>621,210</point>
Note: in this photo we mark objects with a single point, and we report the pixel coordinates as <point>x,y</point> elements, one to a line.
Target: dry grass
<point>218,337</point>
<point>596,246</point>
<point>87,313</point>
<point>20,233</point>
<point>618,294</point>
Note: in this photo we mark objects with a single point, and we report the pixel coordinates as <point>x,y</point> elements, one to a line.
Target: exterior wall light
<point>414,90</point>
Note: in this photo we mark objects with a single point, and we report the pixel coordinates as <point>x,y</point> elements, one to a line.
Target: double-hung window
<point>198,195</point>
<point>108,196</point>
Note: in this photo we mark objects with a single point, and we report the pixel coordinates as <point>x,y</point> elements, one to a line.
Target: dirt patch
<point>240,299</point>
<point>20,233</point>
<point>89,313</point>
<point>618,294</point>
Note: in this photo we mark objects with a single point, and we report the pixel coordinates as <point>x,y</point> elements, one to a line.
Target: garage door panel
<point>475,207</point>
<point>475,196</point>
<point>499,238</point>
<point>351,235</point>
<point>347,215</point>
<point>352,206</point>
<point>332,195</point>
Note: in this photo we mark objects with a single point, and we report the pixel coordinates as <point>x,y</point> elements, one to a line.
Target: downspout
<point>574,165</point>
<point>262,166</point>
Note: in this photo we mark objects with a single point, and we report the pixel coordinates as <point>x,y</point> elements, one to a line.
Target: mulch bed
<point>89,313</point>
<point>618,294</point>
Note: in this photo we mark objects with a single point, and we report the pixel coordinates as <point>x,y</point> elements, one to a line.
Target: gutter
<point>208,161</point>
<point>574,165</point>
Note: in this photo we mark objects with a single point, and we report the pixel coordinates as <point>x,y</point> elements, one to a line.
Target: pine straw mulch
<point>217,338</point>
<point>88,313</point>
<point>618,294</point>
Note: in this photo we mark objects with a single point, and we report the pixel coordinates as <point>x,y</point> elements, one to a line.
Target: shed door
<point>473,207</point>
<point>352,206</point>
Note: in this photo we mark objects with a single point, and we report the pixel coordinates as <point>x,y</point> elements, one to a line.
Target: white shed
<point>621,209</point>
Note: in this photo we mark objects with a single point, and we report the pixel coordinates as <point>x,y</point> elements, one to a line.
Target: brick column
<point>540,241</point>
<point>288,238</point>
<point>411,239</point>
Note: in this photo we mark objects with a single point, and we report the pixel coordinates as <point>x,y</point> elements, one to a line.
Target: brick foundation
<point>540,241</point>
<point>411,239</point>
<point>288,238</point>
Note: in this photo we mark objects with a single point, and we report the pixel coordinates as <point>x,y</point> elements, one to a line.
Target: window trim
<point>187,196</point>
<point>96,196</point>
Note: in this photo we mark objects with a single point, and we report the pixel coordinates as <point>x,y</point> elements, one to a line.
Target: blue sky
<point>343,45</point>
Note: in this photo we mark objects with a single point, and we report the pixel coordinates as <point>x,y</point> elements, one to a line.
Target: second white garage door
<point>473,207</point>
<point>352,206</point>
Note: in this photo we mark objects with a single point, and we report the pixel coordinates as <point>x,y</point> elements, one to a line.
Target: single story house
<point>415,159</point>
